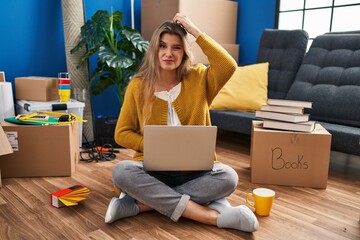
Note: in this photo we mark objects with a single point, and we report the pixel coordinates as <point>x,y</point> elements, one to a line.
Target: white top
<point>170,96</point>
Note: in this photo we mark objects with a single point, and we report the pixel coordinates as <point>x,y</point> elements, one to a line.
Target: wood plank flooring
<point>298,213</point>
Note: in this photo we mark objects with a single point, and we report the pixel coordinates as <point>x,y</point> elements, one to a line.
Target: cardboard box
<point>5,147</point>
<point>36,88</point>
<point>40,151</point>
<point>2,76</point>
<point>218,18</point>
<point>199,56</point>
<point>290,158</point>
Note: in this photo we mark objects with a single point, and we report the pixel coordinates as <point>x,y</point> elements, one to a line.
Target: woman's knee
<point>230,178</point>
<point>122,170</point>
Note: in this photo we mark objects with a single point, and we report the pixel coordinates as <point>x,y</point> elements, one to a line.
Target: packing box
<point>73,106</point>
<point>290,158</point>
<point>40,151</point>
<point>218,18</point>
<point>5,147</point>
<point>36,88</point>
<point>2,77</point>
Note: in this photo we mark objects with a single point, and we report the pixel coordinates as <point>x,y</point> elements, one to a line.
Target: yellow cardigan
<point>198,89</point>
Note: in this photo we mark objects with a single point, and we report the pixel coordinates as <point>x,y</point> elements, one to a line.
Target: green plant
<point>120,50</point>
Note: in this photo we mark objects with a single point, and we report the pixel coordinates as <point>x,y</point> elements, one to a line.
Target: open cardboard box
<point>39,151</point>
<point>5,147</point>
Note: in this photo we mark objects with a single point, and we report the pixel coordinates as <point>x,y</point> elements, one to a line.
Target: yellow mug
<point>262,200</point>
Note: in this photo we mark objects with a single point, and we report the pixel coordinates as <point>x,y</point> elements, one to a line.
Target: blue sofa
<point>327,75</point>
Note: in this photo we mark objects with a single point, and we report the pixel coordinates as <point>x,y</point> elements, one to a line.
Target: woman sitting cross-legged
<point>167,90</point>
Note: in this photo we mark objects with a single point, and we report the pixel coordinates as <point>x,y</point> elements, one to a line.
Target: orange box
<point>36,88</point>
<point>290,158</point>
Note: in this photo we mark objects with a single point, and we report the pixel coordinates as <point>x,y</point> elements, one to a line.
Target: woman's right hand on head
<point>187,24</point>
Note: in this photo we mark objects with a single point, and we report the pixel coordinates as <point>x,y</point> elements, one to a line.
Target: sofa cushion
<point>284,50</point>
<point>246,90</point>
<point>330,77</point>
<point>239,122</point>
<point>344,138</point>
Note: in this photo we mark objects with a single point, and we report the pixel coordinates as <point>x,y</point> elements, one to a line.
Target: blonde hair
<point>149,70</point>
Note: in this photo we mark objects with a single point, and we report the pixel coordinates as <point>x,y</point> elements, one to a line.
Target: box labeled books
<point>69,196</point>
<point>290,158</point>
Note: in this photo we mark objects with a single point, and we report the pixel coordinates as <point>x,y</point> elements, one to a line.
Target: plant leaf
<point>117,19</point>
<point>101,84</point>
<point>127,75</point>
<point>94,30</point>
<point>115,60</point>
<point>135,38</point>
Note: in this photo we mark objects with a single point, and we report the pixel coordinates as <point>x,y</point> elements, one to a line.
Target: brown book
<point>289,103</point>
<point>298,127</point>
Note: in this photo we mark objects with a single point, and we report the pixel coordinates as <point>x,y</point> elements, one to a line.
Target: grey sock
<point>223,201</point>
<point>240,217</point>
<point>121,208</point>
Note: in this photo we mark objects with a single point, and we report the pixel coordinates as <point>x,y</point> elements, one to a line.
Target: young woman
<point>168,90</point>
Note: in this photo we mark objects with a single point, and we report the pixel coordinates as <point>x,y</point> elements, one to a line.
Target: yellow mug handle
<point>252,204</point>
<point>116,190</point>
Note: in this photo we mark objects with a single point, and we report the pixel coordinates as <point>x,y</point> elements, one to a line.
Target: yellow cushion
<point>245,91</point>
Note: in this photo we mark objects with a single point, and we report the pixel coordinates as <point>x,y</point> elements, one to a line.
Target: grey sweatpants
<point>169,192</point>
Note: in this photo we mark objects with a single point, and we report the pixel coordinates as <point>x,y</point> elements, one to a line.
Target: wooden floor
<point>298,213</point>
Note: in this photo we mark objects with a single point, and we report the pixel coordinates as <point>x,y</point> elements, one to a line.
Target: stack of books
<point>69,196</point>
<point>286,115</point>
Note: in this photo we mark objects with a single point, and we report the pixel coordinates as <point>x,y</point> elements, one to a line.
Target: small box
<point>40,151</point>
<point>36,88</point>
<point>73,106</point>
<point>218,18</point>
<point>290,158</point>
<point>2,77</point>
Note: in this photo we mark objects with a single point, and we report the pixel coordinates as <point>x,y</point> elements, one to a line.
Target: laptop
<point>179,148</point>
